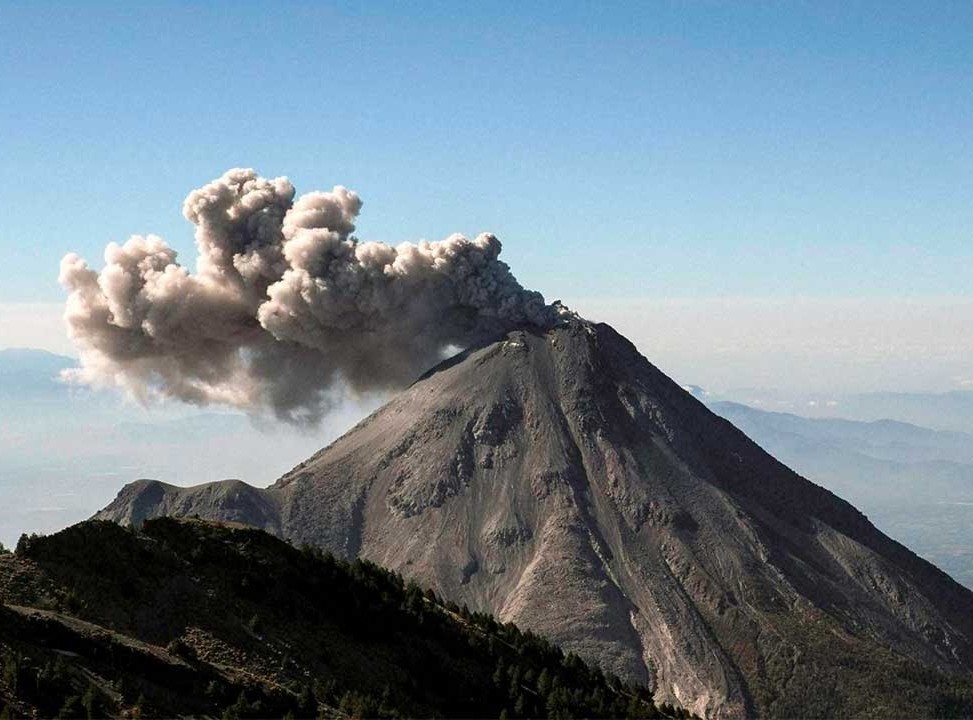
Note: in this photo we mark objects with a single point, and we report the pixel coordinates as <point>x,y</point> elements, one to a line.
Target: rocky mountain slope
<point>562,482</point>
<point>186,618</point>
<point>914,483</point>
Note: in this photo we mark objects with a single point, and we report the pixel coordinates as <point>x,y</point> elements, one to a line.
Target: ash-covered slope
<point>561,481</point>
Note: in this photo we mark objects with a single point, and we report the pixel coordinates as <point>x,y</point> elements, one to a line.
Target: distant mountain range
<point>948,411</point>
<point>38,365</point>
<point>27,374</point>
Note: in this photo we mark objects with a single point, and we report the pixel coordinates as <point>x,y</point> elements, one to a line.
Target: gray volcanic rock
<point>230,500</point>
<point>560,481</point>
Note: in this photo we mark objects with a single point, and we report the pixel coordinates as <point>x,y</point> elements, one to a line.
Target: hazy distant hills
<point>948,411</point>
<point>942,411</point>
<point>25,367</point>
<point>914,483</point>
<point>559,480</point>
<point>65,450</point>
<point>894,442</point>
<point>28,375</point>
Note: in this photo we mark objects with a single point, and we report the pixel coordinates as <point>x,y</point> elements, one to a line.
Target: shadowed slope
<point>189,618</point>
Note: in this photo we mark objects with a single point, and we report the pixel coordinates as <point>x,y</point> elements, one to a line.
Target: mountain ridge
<point>194,618</point>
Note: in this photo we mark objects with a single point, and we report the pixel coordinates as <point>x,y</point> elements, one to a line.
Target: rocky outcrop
<point>231,500</point>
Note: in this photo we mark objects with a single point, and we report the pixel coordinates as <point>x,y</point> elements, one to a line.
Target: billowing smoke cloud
<point>285,305</point>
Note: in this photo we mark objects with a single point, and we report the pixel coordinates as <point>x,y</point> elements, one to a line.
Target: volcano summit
<point>559,480</point>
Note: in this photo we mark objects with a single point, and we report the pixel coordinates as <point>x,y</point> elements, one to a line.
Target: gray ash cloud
<point>286,308</point>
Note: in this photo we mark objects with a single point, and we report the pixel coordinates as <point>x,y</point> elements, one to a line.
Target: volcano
<point>559,480</point>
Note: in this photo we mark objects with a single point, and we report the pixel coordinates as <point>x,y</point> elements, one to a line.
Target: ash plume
<point>285,308</point>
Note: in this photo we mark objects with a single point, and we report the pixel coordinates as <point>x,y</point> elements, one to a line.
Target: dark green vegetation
<point>189,617</point>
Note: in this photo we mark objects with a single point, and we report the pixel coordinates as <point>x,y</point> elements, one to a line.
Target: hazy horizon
<point>798,346</point>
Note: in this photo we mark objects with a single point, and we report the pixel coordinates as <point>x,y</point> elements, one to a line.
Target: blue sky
<point>620,150</point>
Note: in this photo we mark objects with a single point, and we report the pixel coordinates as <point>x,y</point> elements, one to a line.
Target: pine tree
<point>558,704</point>
<point>71,707</point>
<point>139,711</point>
<point>11,671</point>
<point>88,700</point>
<point>500,674</point>
<point>385,701</point>
<point>306,705</point>
<point>544,683</point>
<point>514,672</point>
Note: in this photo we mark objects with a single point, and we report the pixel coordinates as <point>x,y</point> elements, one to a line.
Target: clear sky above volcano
<point>619,150</point>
